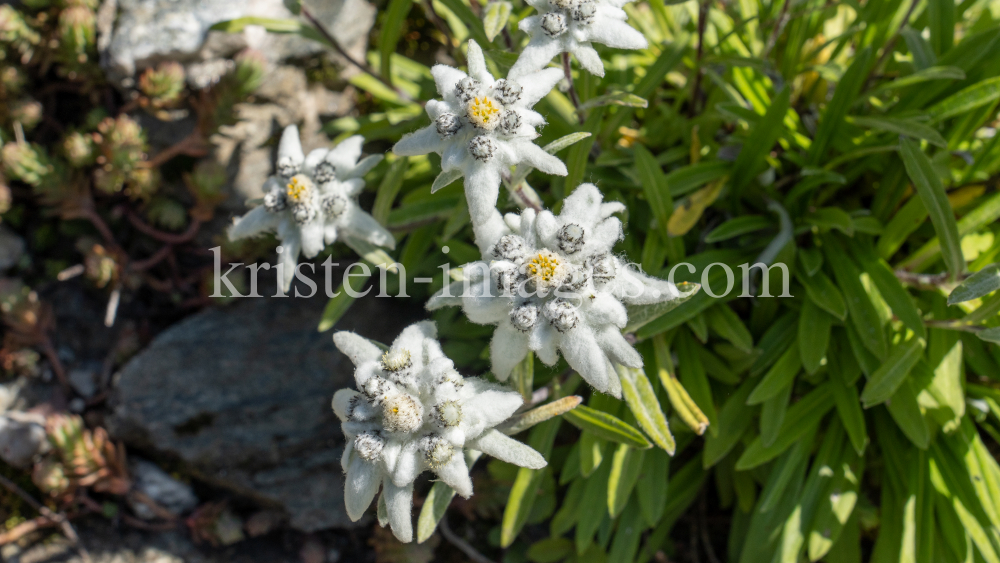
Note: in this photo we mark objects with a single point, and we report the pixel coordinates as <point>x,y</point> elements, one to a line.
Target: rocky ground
<point>224,413</point>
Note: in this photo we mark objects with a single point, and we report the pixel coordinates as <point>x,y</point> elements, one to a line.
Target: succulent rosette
<point>481,126</point>
<point>570,26</point>
<point>414,412</point>
<point>312,201</point>
<point>551,284</point>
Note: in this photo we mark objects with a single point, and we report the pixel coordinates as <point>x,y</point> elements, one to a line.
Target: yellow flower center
<point>484,113</point>
<point>299,188</point>
<point>544,267</point>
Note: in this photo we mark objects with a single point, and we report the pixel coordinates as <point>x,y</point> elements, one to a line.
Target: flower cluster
<point>312,201</point>
<point>482,126</point>
<point>412,413</point>
<point>552,285</point>
<point>570,26</point>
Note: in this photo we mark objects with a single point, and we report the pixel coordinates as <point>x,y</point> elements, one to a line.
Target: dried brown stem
<point>58,518</point>
<point>462,545</point>
<point>192,145</point>
<point>168,238</point>
<point>572,89</point>
<point>347,56</point>
<point>153,260</point>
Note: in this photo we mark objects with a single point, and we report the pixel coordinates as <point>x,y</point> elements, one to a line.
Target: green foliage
<point>822,136</point>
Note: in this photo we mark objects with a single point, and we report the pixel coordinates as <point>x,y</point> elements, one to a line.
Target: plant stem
<point>159,235</point>
<point>696,91</point>
<point>61,520</point>
<point>572,90</point>
<point>461,544</point>
<point>891,44</point>
<point>343,53</point>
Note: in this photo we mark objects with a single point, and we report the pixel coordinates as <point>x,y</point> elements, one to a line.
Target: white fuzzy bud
<point>554,24</point>
<point>561,314</point>
<point>449,413</point>
<point>334,205</point>
<point>275,201</point>
<point>369,445</point>
<point>570,238</point>
<point>509,247</point>
<point>585,12</point>
<point>602,268</point>
<point>524,317</point>
<point>467,89</point>
<point>447,124</point>
<point>507,91</point>
<point>325,172</point>
<point>482,148</point>
<point>510,123</point>
<point>402,413</point>
<point>437,451</point>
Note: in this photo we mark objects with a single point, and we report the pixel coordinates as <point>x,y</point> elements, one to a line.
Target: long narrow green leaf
<point>641,399</point>
<point>887,379</point>
<point>843,98</point>
<point>654,186</point>
<point>979,284</point>
<point>968,99</point>
<point>931,191</point>
<point>606,426</point>
<point>760,141</point>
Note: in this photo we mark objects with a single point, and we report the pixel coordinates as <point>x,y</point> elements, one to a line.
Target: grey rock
<point>242,396</point>
<point>163,489</point>
<point>150,31</point>
<point>11,248</point>
<point>22,437</point>
<point>82,380</point>
<point>108,544</point>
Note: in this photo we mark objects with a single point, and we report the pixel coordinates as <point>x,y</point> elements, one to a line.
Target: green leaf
<point>522,170</point>
<point>496,17</point>
<point>931,73</point>
<point>687,179</point>
<point>651,488</point>
<point>739,226</point>
<point>886,380</point>
<point>772,414</point>
<point>523,421</point>
<point>654,186</point>
<point>640,315</point>
<point>338,305</point>
<point>864,318</point>
<point>641,399</point>
<point>801,417</point>
<point>758,145</point>
<point>524,491</point>
<point>550,550</point>
<point>979,284</point>
<point>445,178</point>
<point>979,94</point>
<point>836,110</point>
<point>984,214</point>
<point>889,287</point>
<point>990,335</point>
<point>595,499</point>
<point>905,410</point>
<point>845,397</point>
<point>579,154</point>
<point>831,218</point>
<point>435,505</point>
<point>468,17</point>
<point>732,425</point>
<point>614,99</point>
<point>388,189</point>
<point>626,465</point>
<point>836,504</point>
<point>821,290</point>
<point>931,191</point>
<point>391,31</point>
<point>814,335</point>
<point>727,324</point>
<point>606,426</point>
<point>778,377</point>
<point>908,127</point>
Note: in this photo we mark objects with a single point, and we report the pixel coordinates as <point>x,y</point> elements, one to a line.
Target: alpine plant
<point>412,413</point>
<point>570,26</point>
<point>551,284</point>
<point>482,126</point>
<point>311,201</point>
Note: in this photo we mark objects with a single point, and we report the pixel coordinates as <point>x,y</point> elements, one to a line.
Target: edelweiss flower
<point>552,285</point>
<point>569,26</point>
<point>313,200</point>
<point>414,413</point>
<point>482,126</point>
